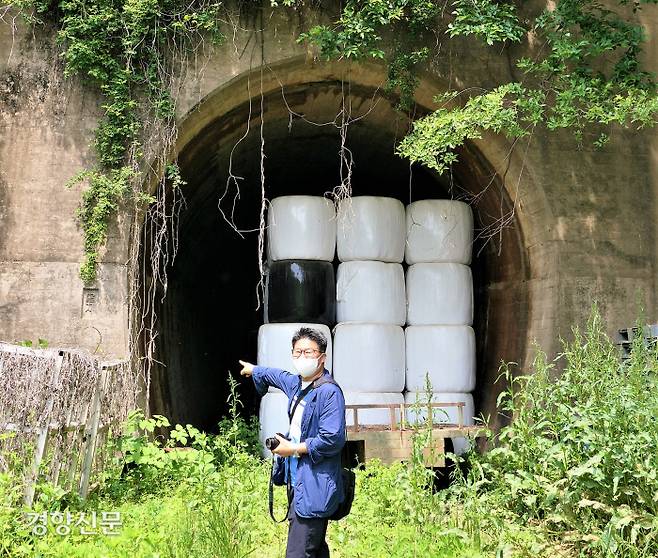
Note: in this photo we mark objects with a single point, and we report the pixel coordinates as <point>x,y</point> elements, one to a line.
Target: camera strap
<point>291,413</point>
<point>302,394</point>
<point>271,495</point>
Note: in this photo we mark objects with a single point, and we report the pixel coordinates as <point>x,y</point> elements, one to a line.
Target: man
<point>317,436</point>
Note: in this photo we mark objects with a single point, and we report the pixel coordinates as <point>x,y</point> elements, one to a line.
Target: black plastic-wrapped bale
<point>300,291</point>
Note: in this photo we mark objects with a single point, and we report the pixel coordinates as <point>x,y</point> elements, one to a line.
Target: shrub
<point>580,458</point>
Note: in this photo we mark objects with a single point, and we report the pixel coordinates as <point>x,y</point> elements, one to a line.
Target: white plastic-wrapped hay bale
<point>439,231</point>
<point>370,417</point>
<point>370,291</point>
<point>449,415</point>
<point>371,228</point>
<point>369,357</point>
<point>445,353</point>
<point>275,347</point>
<point>439,293</point>
<point>273,417</point>
<point>301,228</point>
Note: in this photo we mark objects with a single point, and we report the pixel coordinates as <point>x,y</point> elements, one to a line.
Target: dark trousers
<point>306,537</point>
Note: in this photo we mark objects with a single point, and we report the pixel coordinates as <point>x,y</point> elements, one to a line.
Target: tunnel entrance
<point>210,316</point>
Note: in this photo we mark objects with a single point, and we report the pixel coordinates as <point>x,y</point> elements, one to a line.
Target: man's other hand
<point>285,447</point>
<point>247,368</point>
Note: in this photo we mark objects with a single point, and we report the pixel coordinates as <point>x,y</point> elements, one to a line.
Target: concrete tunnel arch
<point>209,319</point>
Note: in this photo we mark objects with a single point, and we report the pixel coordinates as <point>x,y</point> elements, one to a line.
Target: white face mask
<point>305,366</point>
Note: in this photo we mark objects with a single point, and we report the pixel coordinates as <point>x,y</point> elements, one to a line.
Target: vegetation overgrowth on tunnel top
<point>581,71</point>
<point>574,474</point>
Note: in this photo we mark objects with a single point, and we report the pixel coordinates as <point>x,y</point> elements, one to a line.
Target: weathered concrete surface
<point>649,20</point>
<point>584,226</point>
<point>46,126</point>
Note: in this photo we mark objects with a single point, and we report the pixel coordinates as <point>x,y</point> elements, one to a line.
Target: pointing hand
<point>247,368</point>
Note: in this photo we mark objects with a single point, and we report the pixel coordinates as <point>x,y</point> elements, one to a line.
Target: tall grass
<point>579,462</point>
<point>574,474</point>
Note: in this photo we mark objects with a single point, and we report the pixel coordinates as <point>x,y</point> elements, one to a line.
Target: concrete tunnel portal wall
<point>209,318</point>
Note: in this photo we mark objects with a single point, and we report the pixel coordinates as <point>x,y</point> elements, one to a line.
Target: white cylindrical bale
<point>439,231</point>
<point>370,291</point>
<point>369,357</point>
<point>371,228</point>
<point>370,417</point>
<point>301,228</point>
<point>448,415</point>
<point>445,353</point>
<point>439,294</point>
<point>273,417</point>
<point>275,345</point>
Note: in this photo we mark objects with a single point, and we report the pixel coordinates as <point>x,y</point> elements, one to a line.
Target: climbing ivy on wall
<point>122,47</point>
<point>584,73</point>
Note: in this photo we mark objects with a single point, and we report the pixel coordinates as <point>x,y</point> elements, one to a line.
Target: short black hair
<point>313,335</point>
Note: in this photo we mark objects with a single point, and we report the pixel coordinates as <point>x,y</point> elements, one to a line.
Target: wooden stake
<point>42,438</point>
<point>91,433</point>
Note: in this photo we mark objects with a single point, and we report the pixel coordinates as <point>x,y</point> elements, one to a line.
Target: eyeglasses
<point>306,352</point>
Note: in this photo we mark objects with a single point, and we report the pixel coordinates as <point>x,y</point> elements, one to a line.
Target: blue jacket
<point>318,488</point>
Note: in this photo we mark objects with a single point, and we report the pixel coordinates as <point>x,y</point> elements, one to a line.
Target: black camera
<point>273,442</point>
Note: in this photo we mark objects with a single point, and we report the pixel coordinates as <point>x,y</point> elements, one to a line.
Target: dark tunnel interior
<point>210,316</point>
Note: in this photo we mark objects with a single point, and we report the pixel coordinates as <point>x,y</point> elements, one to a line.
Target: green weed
<point>579,461</point>
<point>575,474</point>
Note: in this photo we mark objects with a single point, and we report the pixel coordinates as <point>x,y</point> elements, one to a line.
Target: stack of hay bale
<point>299,291</point>
<point>440,341</point>
<point>371,305</point>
